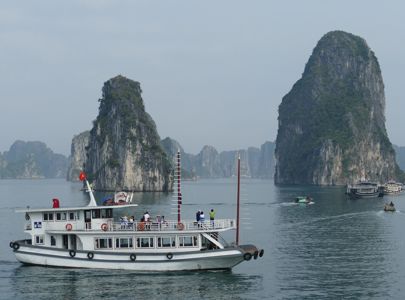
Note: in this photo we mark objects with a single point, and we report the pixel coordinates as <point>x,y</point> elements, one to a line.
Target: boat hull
<point>219,259</point>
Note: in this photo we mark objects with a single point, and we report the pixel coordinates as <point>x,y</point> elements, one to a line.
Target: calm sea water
<point>335,249</point>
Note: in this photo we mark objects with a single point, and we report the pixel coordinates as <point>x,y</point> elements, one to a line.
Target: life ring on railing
<point>90,255</point>
<point>16,246</point>
<point>68,227</point>
<point>169,255</point>
<point>180,226</point>
<point>247,256</point>
<point>104,227</point>
<point>141,226</point>
<point>132,257</point>
<point>72,253</point>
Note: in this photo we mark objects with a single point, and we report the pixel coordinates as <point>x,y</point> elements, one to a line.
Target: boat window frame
<point>182,244</point>
<point>97,243</point>
<point>49,217</point>
<point>172,243</point>
<point>118,242</point>
<point>139,244</point>
<point>39,239</point>
<point>95,214</point>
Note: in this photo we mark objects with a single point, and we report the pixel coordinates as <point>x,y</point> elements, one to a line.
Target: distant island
<point>31,160</point>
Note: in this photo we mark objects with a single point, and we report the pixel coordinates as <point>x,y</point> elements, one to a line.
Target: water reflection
<point>30,282</point>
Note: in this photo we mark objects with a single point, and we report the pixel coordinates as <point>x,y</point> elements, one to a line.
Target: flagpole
<point>238,203</point>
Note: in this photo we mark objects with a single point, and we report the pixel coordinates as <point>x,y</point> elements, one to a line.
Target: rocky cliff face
<point>124,151</point>
<point>332,124</point>
<point>30,160</point>
<point>77,158</point>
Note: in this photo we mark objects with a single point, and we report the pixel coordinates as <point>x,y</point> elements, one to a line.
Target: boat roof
<point>50,209</point>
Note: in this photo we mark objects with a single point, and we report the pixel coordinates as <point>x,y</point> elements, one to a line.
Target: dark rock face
<point>30,160</point>
<point>332,124</point>
<point>124,151</point>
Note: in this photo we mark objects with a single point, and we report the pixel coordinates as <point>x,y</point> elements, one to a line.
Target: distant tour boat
<point>89,237</point>
<point>392,188</point>
<point>365,189</point>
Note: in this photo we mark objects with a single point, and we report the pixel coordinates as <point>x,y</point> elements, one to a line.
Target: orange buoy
<point>69,227</point>
<point>104,227</point>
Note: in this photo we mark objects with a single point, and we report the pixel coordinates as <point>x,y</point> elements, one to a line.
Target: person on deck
<point>212,216</point>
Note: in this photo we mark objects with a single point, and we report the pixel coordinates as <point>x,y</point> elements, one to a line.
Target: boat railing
<point>171,225</point>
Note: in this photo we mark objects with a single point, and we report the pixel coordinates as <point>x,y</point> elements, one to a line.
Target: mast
<point>238,203</point>
<point>178,175</point>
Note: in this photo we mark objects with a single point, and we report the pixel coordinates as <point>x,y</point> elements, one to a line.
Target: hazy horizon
<point>211,73</point>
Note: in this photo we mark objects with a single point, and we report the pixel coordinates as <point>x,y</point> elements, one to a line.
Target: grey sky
<point>212,72</point>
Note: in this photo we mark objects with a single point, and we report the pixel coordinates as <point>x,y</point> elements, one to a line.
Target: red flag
<point>82,176</point>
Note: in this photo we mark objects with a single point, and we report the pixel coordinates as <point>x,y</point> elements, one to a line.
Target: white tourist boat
<point>90,237</point>
<point>365,189</point>
<point>392,188</point>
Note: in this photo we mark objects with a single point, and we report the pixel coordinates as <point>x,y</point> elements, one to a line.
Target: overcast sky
<point>212,72</point>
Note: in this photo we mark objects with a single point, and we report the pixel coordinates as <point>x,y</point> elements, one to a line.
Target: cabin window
<point>72,216</point>
<point>103,243</point>
<point>144,242</point>
<point>39,239</point>
<point>95,214</point>
<point>123,243</point>
<point>166,242</point>
<point>106,213</point>
<point>48,216</point>
<point>188,241</point>
<point>64,215</point>
<point>58,216</point>
<point>53,241</point>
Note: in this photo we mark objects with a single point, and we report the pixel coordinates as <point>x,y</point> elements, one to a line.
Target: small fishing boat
<point>90,237</point>
<point>389,207</point>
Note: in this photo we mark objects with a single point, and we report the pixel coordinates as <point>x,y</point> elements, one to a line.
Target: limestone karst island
<point>332,123</point>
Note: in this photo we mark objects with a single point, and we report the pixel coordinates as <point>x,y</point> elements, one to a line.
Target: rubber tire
<point>261,253</point>
<point>16,246</point>
<point>247,256</point>
<point>90,255</point>
<point>72,253</point>
<point>169,255</point>
<point>11,244</point>
<point>256,254</point>
<point>132,257</point>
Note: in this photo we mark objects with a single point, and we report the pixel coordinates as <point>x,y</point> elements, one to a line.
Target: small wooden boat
<point>389,207</point>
